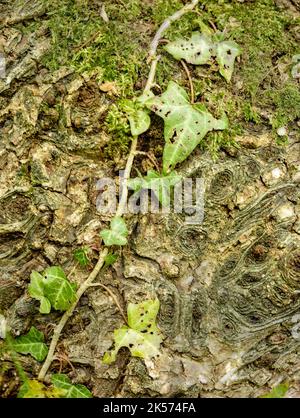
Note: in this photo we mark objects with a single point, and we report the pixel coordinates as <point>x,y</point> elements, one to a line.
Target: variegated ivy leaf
<point>160,185</point>
<point>81,255</point>
<point>227,51</point>
<point>36,291</point>
<point>296,67</point>
<point>68,390</point>
<point>200,49</point>
<point>32,343</point>
<point>185,124</point>
<point>142,336</point>
<point>197,50</point>
<point>52,289</point>
<point>117,233</point>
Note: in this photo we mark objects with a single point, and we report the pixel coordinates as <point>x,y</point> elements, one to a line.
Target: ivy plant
<point>160,184</point>
<point>32,343</point>
<point>278,391</point>
<point>141,336</point>
<point>63,383</point>
<point>53,289</point>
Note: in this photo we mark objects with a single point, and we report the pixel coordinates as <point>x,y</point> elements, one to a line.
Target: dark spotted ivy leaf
<point>160,184</point>
<point>52,289</point>
<point>142,336</point>
<point>227,51</point>
<point>201,48</point>
<point>32,343</point>
<point>185,124</point>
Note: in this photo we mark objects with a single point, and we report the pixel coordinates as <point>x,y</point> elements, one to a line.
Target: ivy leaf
<point>201,48</point>
<point>137,114</point>
<point>227,51</point>
<point>81,256</point>
<point>36,291</point>
<point>32,388</point>
<point>159,184</point>
<point>32,343</point>
<point>58,289</point>
<point>110,259</point>
<point>185,124</point>
<point>142,337</point>
<point>62,382</point>
<point>117,233</point>
<point>278,391</point>
<point>52,288</point>
<point>197,50</point>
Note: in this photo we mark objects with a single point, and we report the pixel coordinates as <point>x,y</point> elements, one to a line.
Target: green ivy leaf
<point>117,233</point>
<point>32,388</point>
<point>110,259</point>
<point>139,122</point>
<point>185,124</point>
<point>62,382</point>
<point>52,288</point>
<point>296,67</point>
<point>278,391</point>
<point>159,184</point>
<point>36,291</point>
<point>32,343</point>
<point>227,51</point>
<point>60,292</point>
<point>81,256</point>
<point>142,337</point>
<point>197,50</point>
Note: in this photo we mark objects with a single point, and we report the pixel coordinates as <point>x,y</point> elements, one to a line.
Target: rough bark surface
<point>229,288</point>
